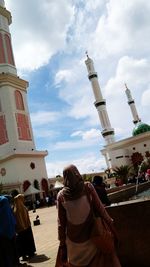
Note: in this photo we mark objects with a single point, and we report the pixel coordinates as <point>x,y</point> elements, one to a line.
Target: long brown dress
<point>74,228</point>
<point>25,239</point>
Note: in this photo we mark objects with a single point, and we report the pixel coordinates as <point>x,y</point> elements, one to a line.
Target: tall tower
<point>131,103</point>
<point>20,162</point>
<point>100,103</point>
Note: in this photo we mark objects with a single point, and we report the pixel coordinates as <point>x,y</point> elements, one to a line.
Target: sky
<point>50,38</point>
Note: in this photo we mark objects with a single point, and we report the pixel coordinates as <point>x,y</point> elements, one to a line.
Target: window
<point>19,100</point>
<point>9,50</point>
<point>3,131</point>
<point>23,127</point>
<point>32,165</point>
<point>2,54</point>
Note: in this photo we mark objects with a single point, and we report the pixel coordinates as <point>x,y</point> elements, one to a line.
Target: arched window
<point>36,184</point>
<point>23,127</point>
<point>9,50</point>
<point>44,184</point>
<point>26,184</point>
<point>3,130</point>
<point>19,100</point>
<point>2,53</point>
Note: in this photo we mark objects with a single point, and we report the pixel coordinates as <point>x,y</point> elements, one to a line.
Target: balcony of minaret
<point>4,12</point>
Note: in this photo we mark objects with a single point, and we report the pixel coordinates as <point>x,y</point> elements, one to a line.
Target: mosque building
<point>21,165</point>
<point>128,151</point>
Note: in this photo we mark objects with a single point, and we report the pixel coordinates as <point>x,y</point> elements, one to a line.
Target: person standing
<point>74,224</point>
<point>25,239</point>
<point>101,190</point>
<point>8,251</point>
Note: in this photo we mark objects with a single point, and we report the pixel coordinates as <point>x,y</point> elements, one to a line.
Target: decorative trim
<point>100,103</point>
<point>4,12</point>
<point>9,79</point>
<point>92,76</point>
<point>131,102</point>
<point>136,121</point>
<point>107,133</point>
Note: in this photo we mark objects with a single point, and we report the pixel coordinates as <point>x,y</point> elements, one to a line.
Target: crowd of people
<point>76,203</point>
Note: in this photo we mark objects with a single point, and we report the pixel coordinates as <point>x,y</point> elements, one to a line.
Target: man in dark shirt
<point>100,189</point>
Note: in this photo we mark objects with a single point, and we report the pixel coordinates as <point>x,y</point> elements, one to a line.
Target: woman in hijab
<point>25,240</point>
<point>8,253</point>
<point>74,221</point>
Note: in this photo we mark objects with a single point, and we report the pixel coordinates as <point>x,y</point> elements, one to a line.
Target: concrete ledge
<point>132,221</point>
<point>126,192</point>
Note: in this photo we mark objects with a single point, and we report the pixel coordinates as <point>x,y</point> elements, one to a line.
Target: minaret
<point>15,120</point>
<point>131,103</point>
<point>18,155</point>
<point>100,103</point>
<point>7,63</point>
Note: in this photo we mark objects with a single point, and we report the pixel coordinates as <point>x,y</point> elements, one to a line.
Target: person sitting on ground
<point>100,189</point>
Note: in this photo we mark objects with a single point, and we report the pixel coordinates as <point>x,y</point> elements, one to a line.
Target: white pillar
<point>100,103</point>
<point>131,103</point>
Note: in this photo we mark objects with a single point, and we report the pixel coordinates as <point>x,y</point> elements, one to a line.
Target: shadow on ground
<point>39,258</point>
<point>24,265</point>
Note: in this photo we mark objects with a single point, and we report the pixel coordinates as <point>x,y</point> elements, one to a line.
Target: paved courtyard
<point>45,236</point>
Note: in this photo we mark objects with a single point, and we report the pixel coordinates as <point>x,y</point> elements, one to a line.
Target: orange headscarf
<point>21,214</point>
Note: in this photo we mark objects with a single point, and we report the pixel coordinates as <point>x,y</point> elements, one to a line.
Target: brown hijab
<point>73,183</point>
<point>21,213</point>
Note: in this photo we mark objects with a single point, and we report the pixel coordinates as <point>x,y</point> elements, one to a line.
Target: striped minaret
<point>15,122</point>
<point>7,64</point>
<point>100,103</point>
<point>131,103</point>
<point>18,155</point>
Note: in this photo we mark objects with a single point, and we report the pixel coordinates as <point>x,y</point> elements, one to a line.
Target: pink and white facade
<point>20,163</point>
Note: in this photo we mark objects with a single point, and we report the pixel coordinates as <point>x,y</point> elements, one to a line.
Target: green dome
<point>140,128</point>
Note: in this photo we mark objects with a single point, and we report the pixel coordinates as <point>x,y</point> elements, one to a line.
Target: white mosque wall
<point>120,153</point>
<point>119,157</point>
<point>19,170</point>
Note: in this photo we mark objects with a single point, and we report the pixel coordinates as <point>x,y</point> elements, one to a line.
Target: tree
<point>145,165</point>
<point>122,172</point>
<point>137,159</point>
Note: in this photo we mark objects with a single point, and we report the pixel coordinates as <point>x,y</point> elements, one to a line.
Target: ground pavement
<point>45,236</point>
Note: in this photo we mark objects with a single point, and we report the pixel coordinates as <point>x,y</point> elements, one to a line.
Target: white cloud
<point>63,75</point>
<point>39,30</point>
<point>68,145</point>
<point>44,133</point>
<point>88,135</point>
<point>146,98</point>
<point>120,29</point>
<point>43,117</point>
<point>89,163</point>
<point>129,70</point>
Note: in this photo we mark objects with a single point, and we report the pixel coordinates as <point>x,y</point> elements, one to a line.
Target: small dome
<point>140,128</point>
